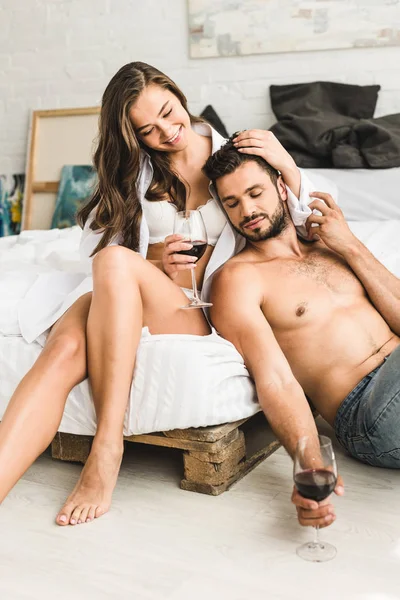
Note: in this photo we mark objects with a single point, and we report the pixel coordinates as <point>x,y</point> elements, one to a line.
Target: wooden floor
<point>160,542</point>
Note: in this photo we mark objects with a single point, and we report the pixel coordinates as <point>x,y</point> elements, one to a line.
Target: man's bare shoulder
<point>235,269</point>
<point>237,278</point>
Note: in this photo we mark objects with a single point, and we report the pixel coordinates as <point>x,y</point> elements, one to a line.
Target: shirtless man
<point>316,318</point>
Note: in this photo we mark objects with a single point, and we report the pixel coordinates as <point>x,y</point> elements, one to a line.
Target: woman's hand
<point>172,262</point>
<point>265,144</point>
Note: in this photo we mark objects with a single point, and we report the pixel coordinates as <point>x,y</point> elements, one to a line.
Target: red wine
<point>315,484</point>
<point>197,250</point>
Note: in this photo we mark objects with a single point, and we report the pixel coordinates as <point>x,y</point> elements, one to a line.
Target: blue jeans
<point>367,423</point>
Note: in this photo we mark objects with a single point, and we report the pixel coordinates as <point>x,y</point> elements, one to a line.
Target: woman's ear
<point>280,184</point>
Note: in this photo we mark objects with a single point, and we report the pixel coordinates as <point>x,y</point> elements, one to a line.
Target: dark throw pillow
<point>211,117</point>
<point>305,99</point>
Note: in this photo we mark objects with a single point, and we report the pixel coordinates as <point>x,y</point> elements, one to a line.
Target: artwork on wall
<point>11,198</point>
<point>77,183</point>
<point>240,27</point>
<point>58,137</point>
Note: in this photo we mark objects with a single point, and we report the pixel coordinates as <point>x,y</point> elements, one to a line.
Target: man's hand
<point>331,226</point>
<point>311,513</point>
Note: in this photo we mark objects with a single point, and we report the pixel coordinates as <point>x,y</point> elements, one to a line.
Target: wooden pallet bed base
<point>214,458</point>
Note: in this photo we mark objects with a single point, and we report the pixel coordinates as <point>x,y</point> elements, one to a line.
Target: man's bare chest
<point>299,290</point>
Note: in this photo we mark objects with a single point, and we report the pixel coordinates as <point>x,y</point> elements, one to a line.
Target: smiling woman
<point>149,162</point>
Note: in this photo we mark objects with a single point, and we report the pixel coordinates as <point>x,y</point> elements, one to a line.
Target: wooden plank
<point>67,112</point>
<point>222,455</point>
<point>181,444</point>
<point>214,473</point>
<point>245,467</point>
<point>206,434</point>
<point>207,488</point>
<point>207,473</point>
<point>70,447</point>
<point>260,442</point>
<point>27,208</point>
<point>45,186</point>
<point>68,443</point>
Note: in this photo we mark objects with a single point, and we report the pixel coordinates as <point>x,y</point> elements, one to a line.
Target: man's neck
<point>285,245</point>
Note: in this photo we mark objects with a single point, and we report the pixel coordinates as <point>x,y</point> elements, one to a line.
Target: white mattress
<point>168,391</point>
<point>154,404</point>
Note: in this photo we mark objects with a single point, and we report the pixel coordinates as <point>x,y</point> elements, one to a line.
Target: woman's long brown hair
<point>116,159</point>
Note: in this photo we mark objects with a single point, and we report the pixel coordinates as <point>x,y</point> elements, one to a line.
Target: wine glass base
<point>197,304</point>
<point>313,552</point>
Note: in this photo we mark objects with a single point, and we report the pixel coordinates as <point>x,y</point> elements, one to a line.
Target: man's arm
<point>237,315</point>
<point>382,287</point>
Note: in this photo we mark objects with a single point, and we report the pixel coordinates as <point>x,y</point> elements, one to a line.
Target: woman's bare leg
<point>35,409</point>
<point>128,292</point>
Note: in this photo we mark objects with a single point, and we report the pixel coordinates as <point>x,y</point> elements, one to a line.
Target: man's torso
<point>323,320</point>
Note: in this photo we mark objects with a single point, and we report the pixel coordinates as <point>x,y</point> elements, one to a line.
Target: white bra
<point>160,217</point>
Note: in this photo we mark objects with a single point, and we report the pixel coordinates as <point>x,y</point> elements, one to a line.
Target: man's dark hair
<point>227,159</point>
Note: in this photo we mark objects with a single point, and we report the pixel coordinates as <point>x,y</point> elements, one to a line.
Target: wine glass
<point>315,475</point>
<point>190,224</point>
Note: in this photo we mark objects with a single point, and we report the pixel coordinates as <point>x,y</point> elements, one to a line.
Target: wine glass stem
<point>194,286</point>
<point>316,535</point>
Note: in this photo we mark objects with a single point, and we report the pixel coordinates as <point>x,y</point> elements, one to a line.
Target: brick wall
<point>62,53</point>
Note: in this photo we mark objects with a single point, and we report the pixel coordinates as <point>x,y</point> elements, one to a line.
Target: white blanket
<point>24,257</point>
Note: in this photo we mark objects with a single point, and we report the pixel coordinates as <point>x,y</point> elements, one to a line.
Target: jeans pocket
<point>362,445</point>
<point>385,436</point>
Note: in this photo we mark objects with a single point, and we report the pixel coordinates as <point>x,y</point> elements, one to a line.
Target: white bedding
<point>168,391</point>
<point>363,194</point>
<point>36,251</point>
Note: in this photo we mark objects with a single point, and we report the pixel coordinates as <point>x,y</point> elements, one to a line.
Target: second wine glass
<point>315,475</point>
<point>190,224</point>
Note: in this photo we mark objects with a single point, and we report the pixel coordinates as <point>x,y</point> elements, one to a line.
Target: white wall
<point>62,53</point>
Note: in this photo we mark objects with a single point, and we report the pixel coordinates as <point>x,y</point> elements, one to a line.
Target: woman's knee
<point>67,350</point>
<point>113,261</point>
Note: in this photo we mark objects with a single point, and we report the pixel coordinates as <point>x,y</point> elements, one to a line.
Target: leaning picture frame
<point>56,138</point>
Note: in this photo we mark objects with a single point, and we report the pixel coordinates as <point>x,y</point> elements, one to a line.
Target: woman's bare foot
<point>91,496</point>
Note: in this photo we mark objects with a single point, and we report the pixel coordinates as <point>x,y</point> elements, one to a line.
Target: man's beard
<point>278,222</point>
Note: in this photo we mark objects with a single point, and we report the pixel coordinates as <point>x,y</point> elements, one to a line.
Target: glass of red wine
<point>315,474</point>
<point>190,224</point>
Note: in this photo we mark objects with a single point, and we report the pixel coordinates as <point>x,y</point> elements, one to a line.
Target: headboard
<point>56,138</point>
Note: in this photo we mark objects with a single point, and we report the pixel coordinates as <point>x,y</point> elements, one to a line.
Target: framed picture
<point>240,27</point>
<point>57,138</point>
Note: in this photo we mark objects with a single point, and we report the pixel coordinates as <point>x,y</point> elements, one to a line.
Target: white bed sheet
<point>34,251</point>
